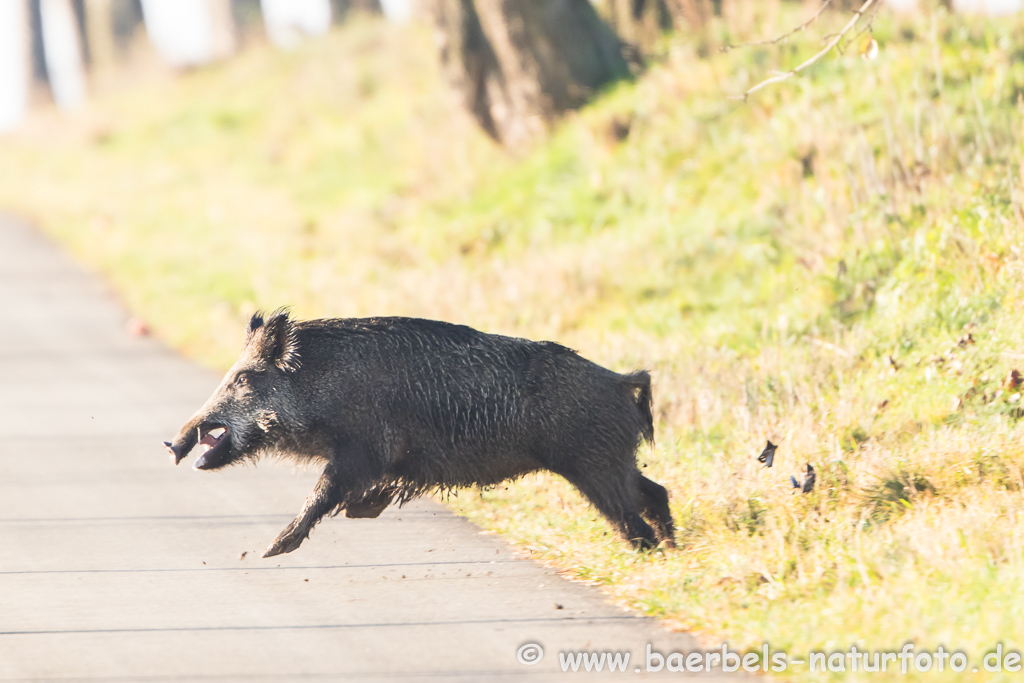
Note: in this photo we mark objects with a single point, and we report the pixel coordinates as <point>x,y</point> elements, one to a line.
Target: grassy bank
<point>834,266</point>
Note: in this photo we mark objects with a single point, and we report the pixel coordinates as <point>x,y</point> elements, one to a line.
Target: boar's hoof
<point>288,541</point>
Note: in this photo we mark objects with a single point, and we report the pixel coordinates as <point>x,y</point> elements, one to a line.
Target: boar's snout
<point>184,442</point>
<point>194,432</point>
<point>176,455</point>
<point>213,437</point>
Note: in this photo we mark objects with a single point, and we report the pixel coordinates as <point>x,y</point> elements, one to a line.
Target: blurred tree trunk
<point>341,8</point>
<point>520,64</point>
<point>99,28</point>
<point>110,28</point>
<point>15,63</point>
<point>63,51</point>
<point>223,29</point>
<point>193,33</point>
<point>247,17</point>
<point>128,21</point>
<point>40,77</point>
<point>78,7</point>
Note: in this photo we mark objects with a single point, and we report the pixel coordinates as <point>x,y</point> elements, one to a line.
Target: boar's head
<point>243,416</point>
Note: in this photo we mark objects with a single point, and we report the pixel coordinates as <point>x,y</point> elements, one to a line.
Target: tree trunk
<point>111,33</point>
<point>341,8</point>
<point>39,75</point>
<point>520,64</point>
<point>99,29</point>
<point>288,22</point>
<point>190,33</point>
<point>222,28</point>
<point>62,52</point>
<point>15,63</point>
<point>128,21</point>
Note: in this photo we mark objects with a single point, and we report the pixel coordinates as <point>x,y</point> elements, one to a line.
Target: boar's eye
<point>242,380</point>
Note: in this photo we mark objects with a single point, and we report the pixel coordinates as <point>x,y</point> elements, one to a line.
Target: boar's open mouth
<point>215,442</point>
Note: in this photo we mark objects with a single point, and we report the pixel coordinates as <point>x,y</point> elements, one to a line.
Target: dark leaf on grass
<point>808,483</point>
<point>767,455</point>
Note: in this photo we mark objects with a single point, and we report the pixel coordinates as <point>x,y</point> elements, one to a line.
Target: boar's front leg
<point>327,495</point>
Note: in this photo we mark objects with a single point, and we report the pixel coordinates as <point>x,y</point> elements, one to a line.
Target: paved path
<point>114,565</point>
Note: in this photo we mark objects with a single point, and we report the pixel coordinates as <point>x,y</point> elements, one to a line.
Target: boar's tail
<point>639,383</point>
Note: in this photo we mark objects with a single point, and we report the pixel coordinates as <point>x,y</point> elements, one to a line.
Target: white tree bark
<point>15,65</point>
<point>995,8</point>
<point>397,10</point>
<point>289,21</point>
<point>189,32</point>
<point>63,53</point>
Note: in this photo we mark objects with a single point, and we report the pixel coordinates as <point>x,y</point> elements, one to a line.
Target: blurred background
<point>832,262</point>
<point>52,47</point>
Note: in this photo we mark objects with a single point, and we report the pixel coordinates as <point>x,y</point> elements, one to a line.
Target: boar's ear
<point>255,323</point>
<point>275,339</point>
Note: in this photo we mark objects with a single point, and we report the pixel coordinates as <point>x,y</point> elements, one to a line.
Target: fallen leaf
<point>869,49</point>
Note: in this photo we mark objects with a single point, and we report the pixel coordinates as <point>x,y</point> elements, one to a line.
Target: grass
<point>833,266</point>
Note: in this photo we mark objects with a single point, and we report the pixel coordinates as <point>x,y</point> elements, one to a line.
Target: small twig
<point>869,27</point>
<point>821,53</point>
<point>784,36</point>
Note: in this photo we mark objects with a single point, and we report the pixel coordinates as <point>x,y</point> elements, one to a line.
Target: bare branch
<point>821,53</point>
<point>869,27</point>
<point>784,36</point>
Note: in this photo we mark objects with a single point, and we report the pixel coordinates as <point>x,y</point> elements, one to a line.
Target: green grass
<point>834,266</point>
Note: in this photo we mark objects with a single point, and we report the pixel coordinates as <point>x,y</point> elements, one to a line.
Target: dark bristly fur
<point>396,407</point>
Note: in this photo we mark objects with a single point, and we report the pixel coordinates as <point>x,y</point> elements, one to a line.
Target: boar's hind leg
<point>616,498</point>
<point>654,506</point>
<point>327,495</point>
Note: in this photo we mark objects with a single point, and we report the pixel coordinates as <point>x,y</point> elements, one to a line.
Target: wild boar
<point>396,407</point>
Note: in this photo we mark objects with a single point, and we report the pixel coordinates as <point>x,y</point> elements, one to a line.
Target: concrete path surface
<point>114,565</point>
